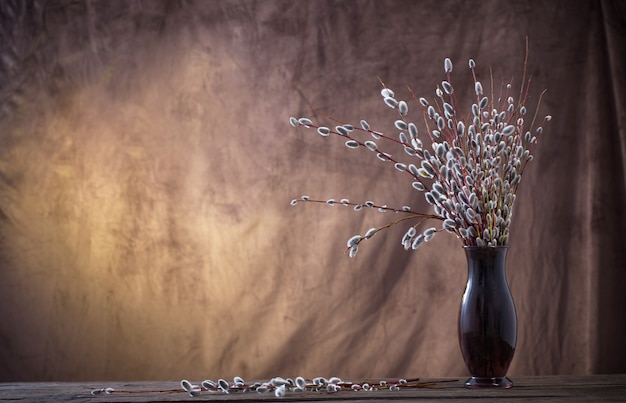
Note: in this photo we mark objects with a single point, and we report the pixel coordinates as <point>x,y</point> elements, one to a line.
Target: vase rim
<point>474,247</point>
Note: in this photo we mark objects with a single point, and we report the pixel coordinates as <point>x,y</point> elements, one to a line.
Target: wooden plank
<point>600,388</point>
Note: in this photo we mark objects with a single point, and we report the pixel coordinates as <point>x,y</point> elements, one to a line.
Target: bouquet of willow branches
<point>468,166</point>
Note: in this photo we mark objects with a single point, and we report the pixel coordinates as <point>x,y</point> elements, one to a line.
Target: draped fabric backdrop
<point>147,166</point>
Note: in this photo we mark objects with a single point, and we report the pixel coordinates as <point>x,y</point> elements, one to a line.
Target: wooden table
<point>598,388</point>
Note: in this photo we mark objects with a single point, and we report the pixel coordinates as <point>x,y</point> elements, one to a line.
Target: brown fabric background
<point>147,165</point>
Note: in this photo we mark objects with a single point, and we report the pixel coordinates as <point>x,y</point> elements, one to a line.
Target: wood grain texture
<point>599,388</point>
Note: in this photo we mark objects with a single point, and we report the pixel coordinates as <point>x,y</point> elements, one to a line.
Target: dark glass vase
<point>487,321</point>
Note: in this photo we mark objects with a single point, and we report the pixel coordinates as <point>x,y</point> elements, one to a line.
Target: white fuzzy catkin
<point>391,102</point>
<point>280,391</point>
<point>353,251</point>
<point>342,130</point>
<point>371,145</point>
<point>353,241</point>
<point>400,125</point>
<point>323,131</point>
<point>478,88</point>
<point>403,108</point>
<point>185,384</point>
<point>387,93</point>
<point>305,121</point>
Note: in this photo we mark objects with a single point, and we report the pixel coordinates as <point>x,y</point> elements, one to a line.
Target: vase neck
<point>489,261</point>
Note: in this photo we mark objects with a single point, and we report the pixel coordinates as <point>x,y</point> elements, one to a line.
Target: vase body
<point>487,321</point>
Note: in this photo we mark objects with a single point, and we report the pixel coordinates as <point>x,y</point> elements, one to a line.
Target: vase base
<point>500,382</point>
